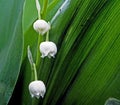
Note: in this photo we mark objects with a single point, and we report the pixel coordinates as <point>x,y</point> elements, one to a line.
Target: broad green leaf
<point>52,8</point>
<point>11,46</point>
<point>29,14</point>
<point>64,67</point>
<point>98,73</point>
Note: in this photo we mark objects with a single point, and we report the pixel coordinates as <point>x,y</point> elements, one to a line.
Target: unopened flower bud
<point>41,26</point>
<point>48,49</point>
<point>37,88</point>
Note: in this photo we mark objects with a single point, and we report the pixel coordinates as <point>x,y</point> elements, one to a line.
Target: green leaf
<point>11,46</point>
<point>97,75</point>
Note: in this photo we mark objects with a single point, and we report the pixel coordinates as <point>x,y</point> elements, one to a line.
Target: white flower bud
<point>37,89</point>
<point>41,26</point>
<point>48,49</point>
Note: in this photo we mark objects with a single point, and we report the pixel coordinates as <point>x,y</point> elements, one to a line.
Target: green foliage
<point>85,70</point>
<point>11,46</point>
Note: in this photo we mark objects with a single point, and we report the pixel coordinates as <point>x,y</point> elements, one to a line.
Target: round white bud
<point>37,88</point>
<point>41,26</point>
<point>48,49</point>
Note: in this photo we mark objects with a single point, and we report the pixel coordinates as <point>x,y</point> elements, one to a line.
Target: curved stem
<point>35,72</point>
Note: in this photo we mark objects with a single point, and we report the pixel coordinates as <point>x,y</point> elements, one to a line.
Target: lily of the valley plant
<point>73,52</point>
<point>37,87</point>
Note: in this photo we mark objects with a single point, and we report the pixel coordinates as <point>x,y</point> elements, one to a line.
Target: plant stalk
<point>45,4</point>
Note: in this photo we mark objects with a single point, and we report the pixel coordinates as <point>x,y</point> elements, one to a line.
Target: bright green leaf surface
<point>11,46</point>
<point>98,75</point>
<point>86,68</point>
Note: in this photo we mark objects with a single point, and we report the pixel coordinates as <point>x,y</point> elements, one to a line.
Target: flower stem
<point>47,36</point>
<point>38,52</point>
<point>39,16</point>
<point>35,72</point>
<point>44,8</point>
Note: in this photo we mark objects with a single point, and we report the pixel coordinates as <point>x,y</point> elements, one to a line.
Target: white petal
<point>32,95</point>
<point>48,49</point>
<point>42,95</point>
<point>37,89</point>
<point>38,94</point>
<point>41,26</point>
